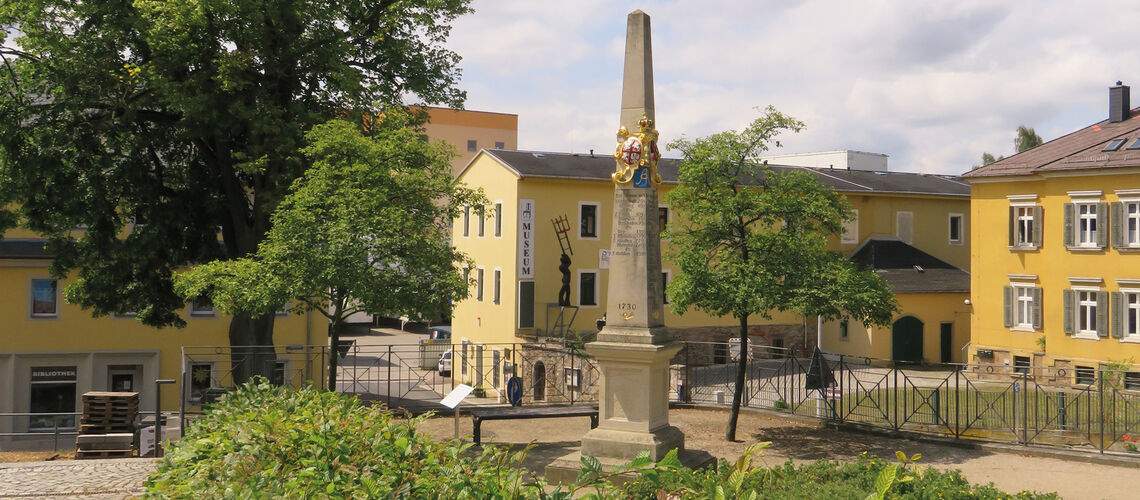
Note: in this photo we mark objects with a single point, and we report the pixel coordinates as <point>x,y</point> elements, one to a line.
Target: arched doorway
<point>539,381</point>
<point>906,340</point>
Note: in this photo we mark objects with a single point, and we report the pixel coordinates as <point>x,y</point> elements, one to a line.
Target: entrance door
<point>906,340</point>
<point>947,345</point>
<point>539,381</point>
<point>123,378</point>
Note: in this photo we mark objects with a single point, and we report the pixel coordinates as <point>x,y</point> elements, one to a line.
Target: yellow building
<point>516,248</point>
<point>1057,231</point>
<point>470,131</point>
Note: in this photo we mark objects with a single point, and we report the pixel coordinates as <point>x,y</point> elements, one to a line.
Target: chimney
<point>1118,105</point>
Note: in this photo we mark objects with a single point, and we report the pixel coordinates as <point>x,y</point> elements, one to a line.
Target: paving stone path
<point>102,479</point>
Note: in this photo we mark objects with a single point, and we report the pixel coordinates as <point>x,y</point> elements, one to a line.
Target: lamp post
<point>158,383</point>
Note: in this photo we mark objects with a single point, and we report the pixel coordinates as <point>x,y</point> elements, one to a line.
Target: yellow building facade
<point>1056,288</point>
<point>516,250</point>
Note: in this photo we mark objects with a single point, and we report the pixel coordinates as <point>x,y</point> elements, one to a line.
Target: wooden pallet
<point>105,428</point>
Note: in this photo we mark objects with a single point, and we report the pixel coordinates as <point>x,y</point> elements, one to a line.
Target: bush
<point>263,441</point>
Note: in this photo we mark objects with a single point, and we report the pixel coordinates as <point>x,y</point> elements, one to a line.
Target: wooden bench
<point>478,415</point>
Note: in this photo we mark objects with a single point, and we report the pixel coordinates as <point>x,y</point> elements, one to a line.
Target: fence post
<point>1100,390</point>
<point>957,402</point>
<point>1025,407</point>
<point>895,407</point>
<point>158,452</point>
<point>842,375</point>
<point>389,361</point>
<point>55,421</point>
<point>1061,410</point>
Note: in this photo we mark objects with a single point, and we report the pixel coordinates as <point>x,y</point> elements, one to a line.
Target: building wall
<point>1048,267</point>
<point>485,322</point>
<point>932,309</point>
<point>456,127</point>
<point>75,338</point>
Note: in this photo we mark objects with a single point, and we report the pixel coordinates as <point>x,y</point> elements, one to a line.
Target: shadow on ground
<point>815,443</point>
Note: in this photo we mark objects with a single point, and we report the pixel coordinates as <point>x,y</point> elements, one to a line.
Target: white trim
<point>1127,192</point>
<point>1017,326</point>
<point>466,216</point>
<point>1127,281</point>
<point>1086,336</point>
<point>1086,280</point>
<point>1093,193</point>
<point>481,212</point>
<point>597,220</point>
<point>497,285</point>
<point>1129,290</point>
<point>1023,204</point>
<point>597,288</point>
<point>961,227</point>
<point>1021,197</point>
<point>843,239</point>
<point>1129,199</point>
<point>480,280</point>
<point>193,311</point>
<point>498,219</point>
<point>1084,288</point>
<point>1022,277</point>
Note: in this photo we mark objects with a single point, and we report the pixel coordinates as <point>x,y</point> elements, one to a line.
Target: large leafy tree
<point>752,240</point>
<point>363,231</point>
<point>1026,139</point>
<point>156,124</point>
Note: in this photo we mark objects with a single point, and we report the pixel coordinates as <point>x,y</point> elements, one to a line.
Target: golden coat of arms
<point>637,155</point>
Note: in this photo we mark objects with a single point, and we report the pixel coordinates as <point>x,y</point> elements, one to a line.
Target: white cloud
<point>932,85</point>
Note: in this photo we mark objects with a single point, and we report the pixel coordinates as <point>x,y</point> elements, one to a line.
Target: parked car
<point>440,333</point>
<point>445,363</point>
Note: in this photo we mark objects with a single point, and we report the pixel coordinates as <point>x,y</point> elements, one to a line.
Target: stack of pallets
<point>107,429</point>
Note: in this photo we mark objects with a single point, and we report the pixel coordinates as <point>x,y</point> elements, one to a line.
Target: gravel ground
<point>806,442</point>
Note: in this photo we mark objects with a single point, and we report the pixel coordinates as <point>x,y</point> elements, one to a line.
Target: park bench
<point>478,415</point>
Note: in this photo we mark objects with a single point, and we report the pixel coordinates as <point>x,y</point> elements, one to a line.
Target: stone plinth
<point>633,409</point>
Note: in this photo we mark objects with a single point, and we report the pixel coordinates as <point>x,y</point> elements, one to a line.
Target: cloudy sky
<point>932,84</point>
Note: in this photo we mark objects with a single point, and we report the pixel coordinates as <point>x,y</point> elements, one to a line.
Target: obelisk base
<point>633,406</point>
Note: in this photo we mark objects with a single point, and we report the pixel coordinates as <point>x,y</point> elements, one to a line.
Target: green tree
<point>363,231</point>
<point>157,124</point>
<point>1026,139</point>
<point>752,241</point>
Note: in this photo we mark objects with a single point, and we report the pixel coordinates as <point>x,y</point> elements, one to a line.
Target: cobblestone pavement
<point>102,479</point>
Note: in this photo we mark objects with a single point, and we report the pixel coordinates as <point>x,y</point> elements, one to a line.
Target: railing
<point>25,430</point>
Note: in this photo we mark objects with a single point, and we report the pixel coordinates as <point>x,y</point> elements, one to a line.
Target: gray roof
<point>910,270</point>
<point>583,166</point>
<point>23,249</point>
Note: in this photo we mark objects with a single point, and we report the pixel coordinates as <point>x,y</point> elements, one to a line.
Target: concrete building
<point>469,131</point>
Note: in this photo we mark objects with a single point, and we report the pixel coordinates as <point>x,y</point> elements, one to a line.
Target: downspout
<point>308,344</point>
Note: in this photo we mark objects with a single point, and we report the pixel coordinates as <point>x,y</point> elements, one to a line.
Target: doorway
<point>947,344</point>
<point>124,378</point>
<point>906,340</point>
<point>539,381</point>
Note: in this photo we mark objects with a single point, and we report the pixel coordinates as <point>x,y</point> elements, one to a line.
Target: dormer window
<point>1114,144</point>
<point>1135,144</point>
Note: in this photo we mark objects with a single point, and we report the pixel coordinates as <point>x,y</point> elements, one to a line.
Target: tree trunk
<point>334,339</point>
<point>251,347</point>
<point>738,392</point>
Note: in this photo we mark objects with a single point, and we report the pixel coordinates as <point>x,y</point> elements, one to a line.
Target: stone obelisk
<point>634,348</point>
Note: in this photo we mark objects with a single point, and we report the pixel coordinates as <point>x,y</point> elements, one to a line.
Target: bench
<point>478,415</point>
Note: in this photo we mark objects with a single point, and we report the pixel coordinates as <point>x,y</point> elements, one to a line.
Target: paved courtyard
<point>87,479</point>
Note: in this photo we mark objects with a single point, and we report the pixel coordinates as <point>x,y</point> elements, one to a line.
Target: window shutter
<point>1038,221</point>
<point>1068,237</point>
<point>1102,314</point>
<point>1101,225</point>
<point>1007,292</point>
<point>1068,310</point>
<point>1117,314</point>
<point>1037,308</point>
<point>1012,226</point>
<point>1117,222</point>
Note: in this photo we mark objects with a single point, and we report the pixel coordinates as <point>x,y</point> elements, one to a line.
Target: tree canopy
<point>1025,140</point>
<point>750,240</point>
<point>154,125</point>
<point>363,231</point>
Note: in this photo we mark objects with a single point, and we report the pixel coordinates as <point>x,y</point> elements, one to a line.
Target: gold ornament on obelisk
<point>636,150</point>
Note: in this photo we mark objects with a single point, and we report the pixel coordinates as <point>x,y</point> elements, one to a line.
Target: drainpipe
<point>819,332</point>
<point>308,344</point>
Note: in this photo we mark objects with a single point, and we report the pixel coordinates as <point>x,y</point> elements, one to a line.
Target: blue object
<point>514,391</point>
<point>641,177</point>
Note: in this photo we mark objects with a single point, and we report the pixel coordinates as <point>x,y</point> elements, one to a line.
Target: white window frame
<point>197,312</point>
<point>1130,310</point>
<point>1023,221</point>
<point>497,285</point>
<point>1131,237</point>
<point>597,220</point>
<point>481,211</point>
<point>850,233</point>
<point>1079,330</point>
<point>190,399</point>
<point>32,298</point>
<point>950,227</point>
<point>597,287</point>
<point>466,221</point>
<point>1023,307</point>
<point>480,274</point>
<point>1083,223</point>
<point>498,219</point>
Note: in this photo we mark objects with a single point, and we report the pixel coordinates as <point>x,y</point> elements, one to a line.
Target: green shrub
<point>263,441</point>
